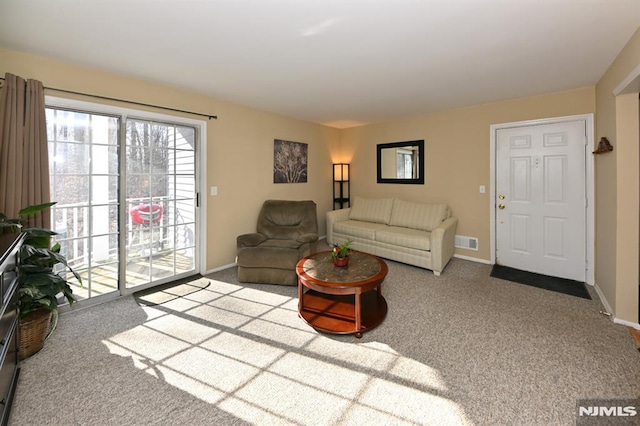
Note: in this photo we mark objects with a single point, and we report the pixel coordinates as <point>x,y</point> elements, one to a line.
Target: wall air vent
<point>469,243</point>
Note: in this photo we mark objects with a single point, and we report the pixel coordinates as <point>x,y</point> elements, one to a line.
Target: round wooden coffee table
<point>341,300</point>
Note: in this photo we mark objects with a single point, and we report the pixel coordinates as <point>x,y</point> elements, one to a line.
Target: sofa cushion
<point>405,237</point>
<point>268,257</point>
<point>284,244</point>
<point>377,210</point>
<point>425,217</point>
<point>358,229</point>
<point>287,220</point>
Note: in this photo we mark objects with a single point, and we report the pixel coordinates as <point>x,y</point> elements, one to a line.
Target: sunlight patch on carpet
<point>246,351</point>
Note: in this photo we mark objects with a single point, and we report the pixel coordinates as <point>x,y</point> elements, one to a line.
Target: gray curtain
<point>24,157</point>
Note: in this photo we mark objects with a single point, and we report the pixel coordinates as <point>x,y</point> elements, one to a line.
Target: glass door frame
<point>201,180</point>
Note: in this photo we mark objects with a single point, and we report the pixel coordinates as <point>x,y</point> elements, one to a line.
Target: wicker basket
<point>34,329</point>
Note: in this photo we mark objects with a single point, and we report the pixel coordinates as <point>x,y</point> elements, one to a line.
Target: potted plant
<point>340,253</point>
<point>38,284</point>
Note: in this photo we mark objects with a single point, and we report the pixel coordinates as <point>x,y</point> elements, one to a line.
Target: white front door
<point>541,199</point>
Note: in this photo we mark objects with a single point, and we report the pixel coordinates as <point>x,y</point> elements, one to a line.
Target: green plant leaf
<point>30,255</point>
<point>43,279</point>
<point>39,238</point>
<point>39,286</point>
<point>31,210</point>
<point>13,224</point>
<point>33,269</point>
<point>40,232</point>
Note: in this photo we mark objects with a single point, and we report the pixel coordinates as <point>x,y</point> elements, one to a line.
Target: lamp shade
<point>341,172</point>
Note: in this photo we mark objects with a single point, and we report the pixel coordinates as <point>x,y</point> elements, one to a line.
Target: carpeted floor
<point>460,349</point>
<point>169,292</point>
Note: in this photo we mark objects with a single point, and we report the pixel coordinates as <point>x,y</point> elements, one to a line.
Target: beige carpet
<point>463,348</point>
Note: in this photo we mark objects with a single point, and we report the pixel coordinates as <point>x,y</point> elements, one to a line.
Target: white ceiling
<point>337,62</point>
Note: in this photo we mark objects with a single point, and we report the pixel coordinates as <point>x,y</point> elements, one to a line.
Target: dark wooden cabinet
<point>9,370</point>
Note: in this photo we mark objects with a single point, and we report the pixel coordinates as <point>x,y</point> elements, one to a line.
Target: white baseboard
<point>608,309</point>
<point>221,268</point>
<point>603,299</point>
<point>626,323</point>
<point>472,259</point>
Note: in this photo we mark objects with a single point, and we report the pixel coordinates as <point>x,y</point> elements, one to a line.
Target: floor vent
<point>470,243</point>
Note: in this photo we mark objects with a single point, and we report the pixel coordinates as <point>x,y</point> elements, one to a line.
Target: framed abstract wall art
<point>289,161</point>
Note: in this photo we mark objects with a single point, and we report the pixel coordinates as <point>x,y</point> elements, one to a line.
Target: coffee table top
<point>363,269</point>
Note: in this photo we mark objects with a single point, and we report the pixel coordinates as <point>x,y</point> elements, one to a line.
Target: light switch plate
<point>482,189</point>
<point>214,190</point>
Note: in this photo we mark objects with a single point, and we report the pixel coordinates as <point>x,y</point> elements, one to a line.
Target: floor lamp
<point>341,192</point>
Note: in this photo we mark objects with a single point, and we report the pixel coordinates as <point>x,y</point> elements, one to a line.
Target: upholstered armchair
<point>287,231</point>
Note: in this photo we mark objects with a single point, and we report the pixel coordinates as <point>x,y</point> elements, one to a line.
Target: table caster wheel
<point>358,335</point>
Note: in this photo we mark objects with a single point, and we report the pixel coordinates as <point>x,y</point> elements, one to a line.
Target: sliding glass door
<point>83,167</point>
<point>161,201</point>
<point>126,199</point>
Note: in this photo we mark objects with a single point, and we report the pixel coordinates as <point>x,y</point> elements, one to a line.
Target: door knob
<point>501,206</point>
<point>501,196</point>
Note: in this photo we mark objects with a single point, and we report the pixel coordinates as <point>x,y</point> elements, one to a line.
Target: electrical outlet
<point>482,189</point>
<point>214,191</point>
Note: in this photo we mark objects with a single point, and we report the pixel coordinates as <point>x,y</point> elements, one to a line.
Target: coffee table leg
<point>300,295</point>
<point>358,313</point>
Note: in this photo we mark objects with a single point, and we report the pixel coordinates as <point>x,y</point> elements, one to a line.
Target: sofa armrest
<point>442,244</point>
<point>249,240</point>
<point>334,216</point>
<point>307,238</point>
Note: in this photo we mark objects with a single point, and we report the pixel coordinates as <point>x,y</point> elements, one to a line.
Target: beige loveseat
<point>419,234</point>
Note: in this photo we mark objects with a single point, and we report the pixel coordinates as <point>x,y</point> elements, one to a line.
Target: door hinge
<point>197,199</point>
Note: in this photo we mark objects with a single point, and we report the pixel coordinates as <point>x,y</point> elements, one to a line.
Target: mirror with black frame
<point>401,162</point>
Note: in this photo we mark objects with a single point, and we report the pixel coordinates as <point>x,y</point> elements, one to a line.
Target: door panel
<point>554,231</point>
<point>161,195</point>
<point>521,179</point>
<point>555,179</point>
<point>520,241</point>
<point>540,189</point>
<point>83,173</point>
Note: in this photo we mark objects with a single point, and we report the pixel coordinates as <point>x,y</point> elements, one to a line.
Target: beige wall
<point>457,145</point>
<point>239,146</point>
<point>617,187</point>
